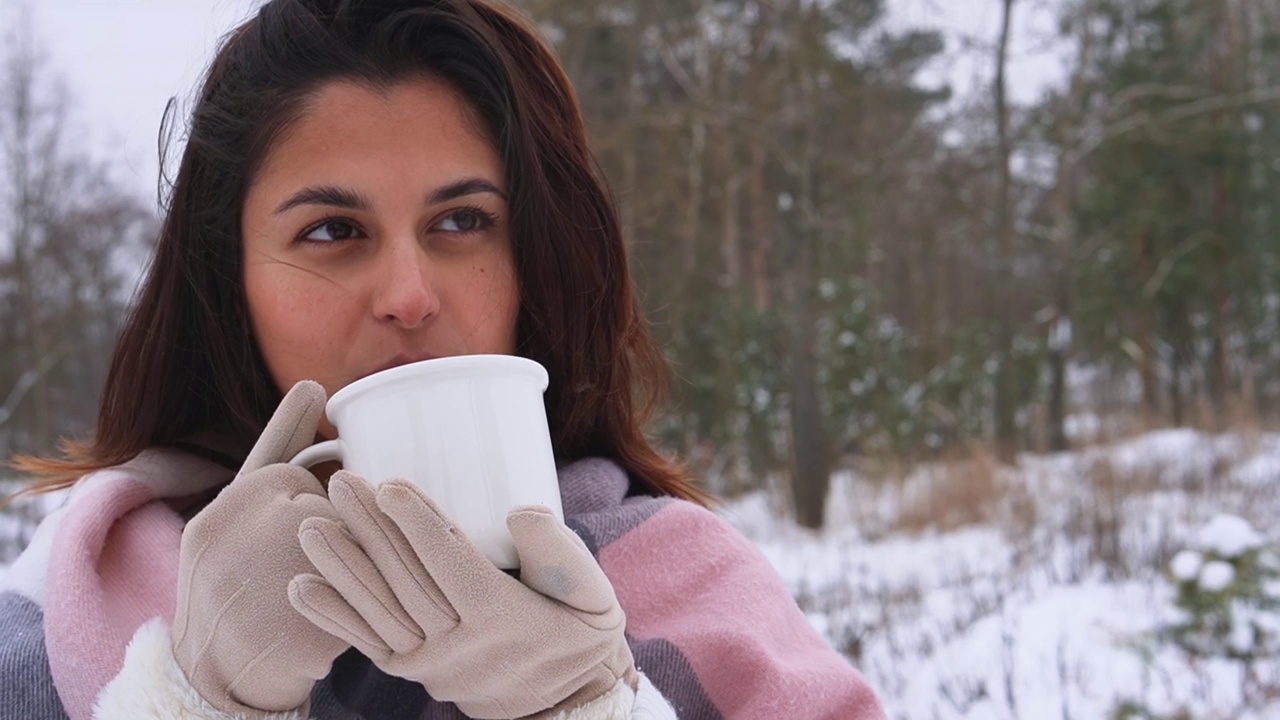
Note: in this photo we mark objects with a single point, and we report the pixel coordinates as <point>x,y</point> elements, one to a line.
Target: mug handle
<point>318,453</point>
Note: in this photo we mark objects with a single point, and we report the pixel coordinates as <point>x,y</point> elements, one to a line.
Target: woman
<point>368,184</point>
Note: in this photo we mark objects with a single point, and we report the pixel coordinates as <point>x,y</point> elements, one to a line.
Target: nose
<point>405,294</point>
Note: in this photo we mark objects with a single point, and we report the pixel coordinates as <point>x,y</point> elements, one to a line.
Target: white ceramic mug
<point>470,430</point>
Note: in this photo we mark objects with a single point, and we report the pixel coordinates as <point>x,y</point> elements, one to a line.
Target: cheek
<point>295,323</point>
<point>502,306</point>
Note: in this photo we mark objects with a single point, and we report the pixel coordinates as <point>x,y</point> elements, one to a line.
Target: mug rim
<point>445,366</point>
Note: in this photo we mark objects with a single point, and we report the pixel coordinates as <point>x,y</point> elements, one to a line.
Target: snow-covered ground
<point>1039,601</point>
<point>970,592</point>
<point>18,521</point>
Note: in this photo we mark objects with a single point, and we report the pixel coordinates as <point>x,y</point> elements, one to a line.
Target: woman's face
<point>376,234</point>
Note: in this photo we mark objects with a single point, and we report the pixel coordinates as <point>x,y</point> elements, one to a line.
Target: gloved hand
<point>237,638</point>
<point>403,585</point>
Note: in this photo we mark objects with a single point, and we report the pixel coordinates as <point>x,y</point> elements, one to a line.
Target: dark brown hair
<point>186,363</point>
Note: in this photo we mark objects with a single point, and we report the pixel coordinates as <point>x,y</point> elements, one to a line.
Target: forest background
<point>849,267</point>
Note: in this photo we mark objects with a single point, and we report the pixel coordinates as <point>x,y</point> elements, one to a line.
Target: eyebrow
<point>326,195</point>
<point>462,188</point>
<point>334,196</point>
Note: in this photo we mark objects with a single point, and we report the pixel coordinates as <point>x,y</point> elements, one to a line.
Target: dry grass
<point>1019,518</point>
<point>1098,514</point>
<point>1102,524</point>
<point>959,491</point>
<point>1089,510</point>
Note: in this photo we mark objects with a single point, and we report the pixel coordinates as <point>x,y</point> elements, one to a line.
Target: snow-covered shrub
<point>1229,594</point>
<point>1226,610</point>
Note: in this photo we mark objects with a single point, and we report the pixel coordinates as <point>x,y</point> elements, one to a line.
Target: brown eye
<point>332,231</point>
<point>467,220</point>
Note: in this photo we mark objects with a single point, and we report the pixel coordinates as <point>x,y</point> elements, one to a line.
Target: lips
<point>405,359</point>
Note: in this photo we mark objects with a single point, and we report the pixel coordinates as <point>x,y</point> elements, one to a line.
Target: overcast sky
<point>123,59</point>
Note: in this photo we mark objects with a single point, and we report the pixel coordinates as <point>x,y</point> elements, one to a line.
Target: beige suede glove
<point>406,588</point>
<point>237,638</point>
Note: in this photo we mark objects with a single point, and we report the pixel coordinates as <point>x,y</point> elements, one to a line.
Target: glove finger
<point>555,562</point>
<point>317,601</point>
<point>468,579</point>
<point>356,502</point>
<point>292,427</point>
<point>256,500</point>
<point>353,575</point>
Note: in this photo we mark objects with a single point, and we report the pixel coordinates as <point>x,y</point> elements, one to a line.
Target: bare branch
<point>28,380</point>
<point>1187,111</point>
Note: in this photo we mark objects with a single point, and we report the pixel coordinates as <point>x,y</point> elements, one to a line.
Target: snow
<point>1083,426</point>
<point>1242,635</point>
<point>18,520</point>
<point>1217,576</point>
<point>1228,536</point>
<point>1186,565</point>
<point>1047,607</point>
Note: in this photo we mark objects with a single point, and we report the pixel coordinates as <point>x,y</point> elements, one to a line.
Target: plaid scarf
<point>710,623</point>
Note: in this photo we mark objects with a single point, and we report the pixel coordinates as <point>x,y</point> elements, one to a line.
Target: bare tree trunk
<point>1146,329</point>
<point>729,375</point>
<point>1218,377</point>
<point>630,153</point>
<point>1005,403</point>
<point>761,206</point>
<point>730,228</point>
<point>921,295</point>
<point>811,472</point>
<point>761,233</point>
<point>1177,401</point>
<point>1223,212</point>
<point>1064,236</point>
<point>697,153</point>
<point>941,260</point>
<point>24,150</point>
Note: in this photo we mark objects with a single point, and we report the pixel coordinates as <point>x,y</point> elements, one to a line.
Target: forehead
<point>348,129</point>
